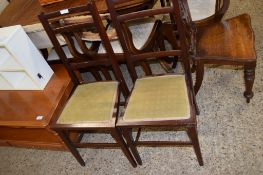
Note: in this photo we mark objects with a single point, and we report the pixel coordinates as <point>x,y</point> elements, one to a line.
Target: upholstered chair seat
<point>158,98</point>
<point>93,102</point>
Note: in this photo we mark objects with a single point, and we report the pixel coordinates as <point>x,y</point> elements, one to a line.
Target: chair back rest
<point>221,8</point>
<point>176,11</point>
<point>83,30</point>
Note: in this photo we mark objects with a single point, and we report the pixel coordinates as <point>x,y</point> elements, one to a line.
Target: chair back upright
<point>221,8</point>
<point>176,11</point>
<point>83,38</point>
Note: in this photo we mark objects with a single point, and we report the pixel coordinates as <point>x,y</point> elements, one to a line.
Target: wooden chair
<point>203,13</point>
<point>230,42</point>
<point>92,106</point>
<point>166,101</point>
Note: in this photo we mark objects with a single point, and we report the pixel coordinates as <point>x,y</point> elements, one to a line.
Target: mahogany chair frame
<point>132,57</point>
<point>242,54</point>
<point>73,67</point>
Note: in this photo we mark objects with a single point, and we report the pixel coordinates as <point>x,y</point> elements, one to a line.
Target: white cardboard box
<point>22,67</point>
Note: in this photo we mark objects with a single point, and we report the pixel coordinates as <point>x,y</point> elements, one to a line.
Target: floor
<point>230,130</point>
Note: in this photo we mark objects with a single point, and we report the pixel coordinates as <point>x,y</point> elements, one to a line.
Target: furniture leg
<point>199,76</point>
<point>196,106</point>
<point>249,76</point>
<point>127,133</point>
<point>115,133</point>
<point>72,149</point>
<point>192,133</point>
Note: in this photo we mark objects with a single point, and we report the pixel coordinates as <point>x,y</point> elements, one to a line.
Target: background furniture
<point>230,42</point>
<point>25,115</point>
<point>22,67</point>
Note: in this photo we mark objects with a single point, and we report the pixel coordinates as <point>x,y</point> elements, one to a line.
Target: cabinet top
<point>36,108</point>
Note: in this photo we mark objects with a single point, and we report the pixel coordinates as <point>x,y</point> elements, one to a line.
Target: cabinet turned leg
<point>249,76</point>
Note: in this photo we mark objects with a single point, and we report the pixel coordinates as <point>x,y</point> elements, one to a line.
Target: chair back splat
<point>92,106</point>
<point>120,22</point>
<point>159,101</point>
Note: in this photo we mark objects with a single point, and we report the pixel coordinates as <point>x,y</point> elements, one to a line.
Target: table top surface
<point>25,12</point>
<point>21,107</point>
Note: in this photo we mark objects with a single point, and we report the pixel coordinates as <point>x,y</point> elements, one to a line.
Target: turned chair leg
<point>192,134</point>
<point>116,134</point>
<point>127,133</point>
<point>249,76</point>
<point>199,76</point>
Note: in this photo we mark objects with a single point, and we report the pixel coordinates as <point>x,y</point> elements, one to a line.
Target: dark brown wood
<point>19,109</point>
<point>116,134</point>
<point>132,144</point>
<point>221,7</point>
<point>192,133</point>
<point>134,56</point>
<point>230,42</point>
<point>86,59</point>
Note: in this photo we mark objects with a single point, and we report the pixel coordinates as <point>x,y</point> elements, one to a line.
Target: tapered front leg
<point>192,133</point>
<point>127,133</point>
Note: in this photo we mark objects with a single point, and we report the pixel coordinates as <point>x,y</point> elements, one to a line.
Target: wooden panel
<point>30,138</point>
<point>46,2</point>
<point>34,135</point>
<point>25,12</point>
<point>4,143</point>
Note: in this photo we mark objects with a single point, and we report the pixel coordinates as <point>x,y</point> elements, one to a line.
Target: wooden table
<point>19,125</point>
<point>25,12</point>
